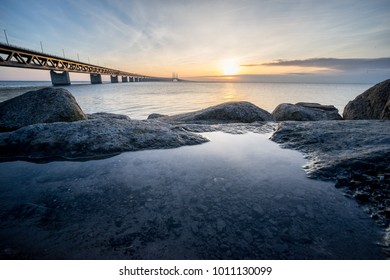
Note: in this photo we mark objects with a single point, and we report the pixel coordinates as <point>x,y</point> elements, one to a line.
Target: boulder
<point>303,111</point>
<point>230,112</point>
<point>91,138</point>
<point>372,104</point>
<point>47,105</point>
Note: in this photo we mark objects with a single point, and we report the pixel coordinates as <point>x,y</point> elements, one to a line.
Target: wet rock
<point>305,112</point>
<point>336,148</point>
<point>47,105</point>
<point>374,103</point>
<point>230,112</point>
<point>90,139</point>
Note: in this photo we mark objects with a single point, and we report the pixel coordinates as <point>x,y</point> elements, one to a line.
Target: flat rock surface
<point>355,154</point>
<point>104,135</point>
<point>46,105</point>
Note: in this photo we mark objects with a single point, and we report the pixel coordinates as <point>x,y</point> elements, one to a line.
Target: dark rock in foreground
<point>354,154</point>
<point>230,112</point>
<point>305,112</point>
<point>99,137</point>
<point>50,125</point>
<point>374,103</point>
<point>47,105</point>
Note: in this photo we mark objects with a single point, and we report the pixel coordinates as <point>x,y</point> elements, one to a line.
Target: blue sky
<point>255,39</point>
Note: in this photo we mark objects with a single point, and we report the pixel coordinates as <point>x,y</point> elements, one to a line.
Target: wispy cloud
<point>332,63</point>
<point>192,37</point>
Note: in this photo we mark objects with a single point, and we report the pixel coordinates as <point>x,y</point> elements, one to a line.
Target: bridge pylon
<point>59,79</point>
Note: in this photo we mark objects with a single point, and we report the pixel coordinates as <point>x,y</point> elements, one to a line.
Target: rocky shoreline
<point>354,152</point>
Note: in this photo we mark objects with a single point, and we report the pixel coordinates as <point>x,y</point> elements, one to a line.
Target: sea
<point>138,100</point>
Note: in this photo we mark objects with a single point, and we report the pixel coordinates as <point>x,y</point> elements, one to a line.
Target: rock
<point>336,148</point>
<point>305,112</point>
<point>91,138</point>
<point>342,182</point>
<point>385,115</point>
<point>47,105</point>
<point>230,112</point>
<point>374,103</point>
<point>156,116</point>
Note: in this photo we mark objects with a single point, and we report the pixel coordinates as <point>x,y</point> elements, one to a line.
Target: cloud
<point>346,64</point>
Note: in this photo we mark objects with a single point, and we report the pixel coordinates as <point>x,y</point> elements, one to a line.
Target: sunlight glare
<point>230,67</point>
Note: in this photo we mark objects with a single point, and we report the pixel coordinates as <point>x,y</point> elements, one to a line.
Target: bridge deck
<point>13,56</point>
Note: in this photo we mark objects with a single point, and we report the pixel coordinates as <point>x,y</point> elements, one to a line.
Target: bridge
<point>59,67</point>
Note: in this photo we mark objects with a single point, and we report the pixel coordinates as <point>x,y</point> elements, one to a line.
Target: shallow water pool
<point>236,197</point>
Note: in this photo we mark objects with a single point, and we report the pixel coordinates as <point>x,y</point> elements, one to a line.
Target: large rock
<point>372,104</point>
<point>335,148</point>
<point>305,112</point>
<point>46,105</point>
<point>101,136</point>
<point>230,112</point>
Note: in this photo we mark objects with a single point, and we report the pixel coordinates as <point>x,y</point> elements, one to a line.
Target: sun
<point>230,67</point>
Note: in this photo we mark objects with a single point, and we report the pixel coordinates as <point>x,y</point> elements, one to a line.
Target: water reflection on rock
<point>236,197</point>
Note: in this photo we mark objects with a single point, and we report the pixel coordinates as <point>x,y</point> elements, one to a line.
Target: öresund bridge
<point>59,67</point>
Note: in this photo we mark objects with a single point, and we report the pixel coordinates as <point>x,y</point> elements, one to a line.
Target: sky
<point>247,40</point>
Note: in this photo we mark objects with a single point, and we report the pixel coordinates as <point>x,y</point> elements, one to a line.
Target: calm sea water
<point>235,197</point>
<point>138,100</point>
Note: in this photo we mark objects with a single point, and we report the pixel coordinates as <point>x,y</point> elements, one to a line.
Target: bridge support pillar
<point>114,79</point>
<point>96,78</point>
<point>124,79</point>
<point>59,79</point>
